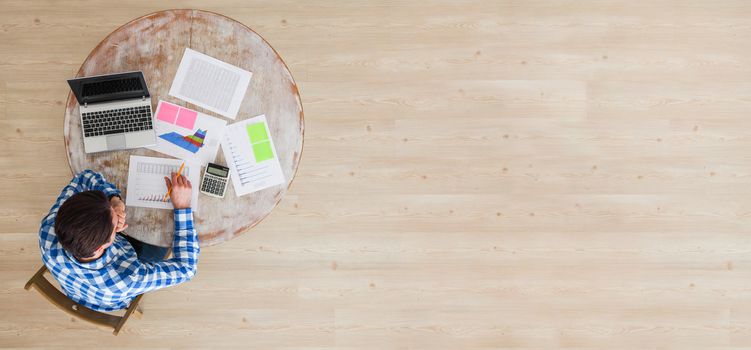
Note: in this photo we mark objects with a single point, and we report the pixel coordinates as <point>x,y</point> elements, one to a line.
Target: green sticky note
<point>257,132</point>
<point>262,151</point>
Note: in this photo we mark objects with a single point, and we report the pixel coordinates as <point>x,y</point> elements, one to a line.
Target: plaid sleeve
<point>180,268</point>
<point>85,181</point>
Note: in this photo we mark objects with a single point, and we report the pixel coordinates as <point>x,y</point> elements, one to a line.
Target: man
<point>101,269</point>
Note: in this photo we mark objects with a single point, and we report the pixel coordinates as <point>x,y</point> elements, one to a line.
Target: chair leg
<point>39,273</point>
<point>138,313</point>
<point>128,312</point>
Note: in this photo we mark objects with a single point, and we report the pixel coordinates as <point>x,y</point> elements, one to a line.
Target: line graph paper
<point>146,185</point>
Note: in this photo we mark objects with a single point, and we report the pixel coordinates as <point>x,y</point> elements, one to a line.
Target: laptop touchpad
<point>116,142</point>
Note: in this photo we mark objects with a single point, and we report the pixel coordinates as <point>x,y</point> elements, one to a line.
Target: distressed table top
<point>154,44</point>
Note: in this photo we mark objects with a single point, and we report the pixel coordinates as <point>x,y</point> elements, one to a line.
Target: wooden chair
<point>62,301</point>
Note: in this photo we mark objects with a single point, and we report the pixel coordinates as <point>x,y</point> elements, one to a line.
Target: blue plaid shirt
<point>117,277</point>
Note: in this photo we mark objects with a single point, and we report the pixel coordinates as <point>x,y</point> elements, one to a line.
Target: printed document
<point>210,83</point>
<point>251,156</point>
<point>187,134</point>
<point>146,186</point>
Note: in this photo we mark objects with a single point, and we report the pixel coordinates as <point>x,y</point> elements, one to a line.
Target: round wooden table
<point>154,44</point>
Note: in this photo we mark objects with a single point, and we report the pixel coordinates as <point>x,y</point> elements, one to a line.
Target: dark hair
<point>83,223</point>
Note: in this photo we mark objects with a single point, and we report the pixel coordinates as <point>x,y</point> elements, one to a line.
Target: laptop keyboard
<point>117,121</point>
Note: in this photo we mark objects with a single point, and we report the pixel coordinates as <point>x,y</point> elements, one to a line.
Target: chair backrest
<point>62,301</point>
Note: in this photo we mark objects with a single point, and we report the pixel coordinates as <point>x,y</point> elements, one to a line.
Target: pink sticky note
<point>186,118</point>
<point>167,112</point>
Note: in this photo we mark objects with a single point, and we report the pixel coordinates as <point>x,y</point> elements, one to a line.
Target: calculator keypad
<point>213,184</point>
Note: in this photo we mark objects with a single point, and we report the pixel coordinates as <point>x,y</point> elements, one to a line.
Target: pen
<point>170,189</point>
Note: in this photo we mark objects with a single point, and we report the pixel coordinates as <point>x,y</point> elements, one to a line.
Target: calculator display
<point>217,172</point>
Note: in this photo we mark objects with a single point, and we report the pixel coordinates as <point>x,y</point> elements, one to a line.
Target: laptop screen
<point>110,87</point>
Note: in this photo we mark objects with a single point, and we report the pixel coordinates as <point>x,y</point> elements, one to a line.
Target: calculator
<point>215,180</point>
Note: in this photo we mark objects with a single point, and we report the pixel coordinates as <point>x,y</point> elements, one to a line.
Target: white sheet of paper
<point>146,187</point>
<point>252,168</point>
<point>170,135</point>
<point>210,83</point>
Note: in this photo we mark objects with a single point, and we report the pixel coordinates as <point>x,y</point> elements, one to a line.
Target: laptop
<point>115,111</point>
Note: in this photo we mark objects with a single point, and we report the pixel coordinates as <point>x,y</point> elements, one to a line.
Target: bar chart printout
<point>187,134</point>
<point>251,156</point>
<point>146,187</point>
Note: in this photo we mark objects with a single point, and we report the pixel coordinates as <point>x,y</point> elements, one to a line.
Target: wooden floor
<point>490,174</point>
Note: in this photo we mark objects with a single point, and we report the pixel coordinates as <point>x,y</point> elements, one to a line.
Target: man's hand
<point>118,211</point>
<point>181,191</point>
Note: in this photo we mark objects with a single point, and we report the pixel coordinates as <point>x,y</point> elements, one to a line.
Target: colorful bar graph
<point>191,143</point>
